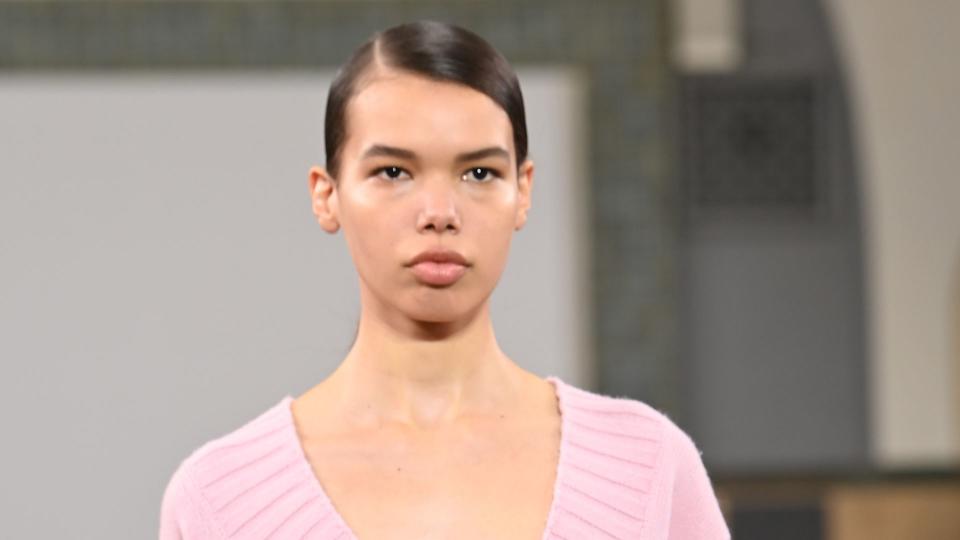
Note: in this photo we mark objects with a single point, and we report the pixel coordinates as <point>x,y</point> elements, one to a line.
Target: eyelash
<point>491,173</point>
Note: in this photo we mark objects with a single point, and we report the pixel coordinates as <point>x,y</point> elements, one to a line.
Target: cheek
<point>494,231</point>
<point>501,211</point>
<point>371,230</point>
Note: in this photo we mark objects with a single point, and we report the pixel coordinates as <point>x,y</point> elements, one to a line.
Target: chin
<point>436,314</point>
<point>439,310</point>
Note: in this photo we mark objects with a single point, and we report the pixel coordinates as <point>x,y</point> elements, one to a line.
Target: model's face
<point>408,183</point>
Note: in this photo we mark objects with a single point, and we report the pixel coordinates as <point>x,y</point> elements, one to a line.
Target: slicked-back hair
<point>439,51</point>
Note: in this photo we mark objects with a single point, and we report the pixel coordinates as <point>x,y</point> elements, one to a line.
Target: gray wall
<point>774,362</point>
<point>619,46</point>
<point>163,280</point>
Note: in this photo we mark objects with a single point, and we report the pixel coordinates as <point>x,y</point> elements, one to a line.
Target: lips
<point>439,267</point>
<point>439,256</point>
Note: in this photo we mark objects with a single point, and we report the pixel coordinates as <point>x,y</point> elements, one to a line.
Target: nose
<point>438,211</point>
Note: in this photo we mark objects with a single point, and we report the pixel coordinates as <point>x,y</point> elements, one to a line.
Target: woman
<point>427,429</point>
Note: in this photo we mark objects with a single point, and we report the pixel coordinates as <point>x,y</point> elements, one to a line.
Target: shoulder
<point>653,465</point>
<point>623,416</point>
<point>212,477</point>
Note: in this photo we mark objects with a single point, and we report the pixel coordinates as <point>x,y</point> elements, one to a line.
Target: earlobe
<point>524,190</point>
<point>323,199</point>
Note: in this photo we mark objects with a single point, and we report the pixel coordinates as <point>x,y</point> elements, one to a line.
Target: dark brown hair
<point>440,51</point>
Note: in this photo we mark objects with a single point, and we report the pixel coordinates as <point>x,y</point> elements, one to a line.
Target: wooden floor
<point>837,507</point>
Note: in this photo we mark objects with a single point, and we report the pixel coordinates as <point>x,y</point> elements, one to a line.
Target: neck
<point>423,374</point>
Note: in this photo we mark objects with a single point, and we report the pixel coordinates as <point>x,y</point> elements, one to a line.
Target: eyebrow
<point>389,151</point>
<point>393,151</point>
<point>491,151</point>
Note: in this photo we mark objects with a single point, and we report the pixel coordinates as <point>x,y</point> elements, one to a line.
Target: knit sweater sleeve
<point>693,507</point>
<point>182,515</point>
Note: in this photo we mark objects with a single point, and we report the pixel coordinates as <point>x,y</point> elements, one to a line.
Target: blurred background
<point>746,213</point>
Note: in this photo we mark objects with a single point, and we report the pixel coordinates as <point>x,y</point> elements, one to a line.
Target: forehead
<point>428,116</point>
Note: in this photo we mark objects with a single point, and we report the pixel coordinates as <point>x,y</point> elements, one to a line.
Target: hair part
<point>439,51</point>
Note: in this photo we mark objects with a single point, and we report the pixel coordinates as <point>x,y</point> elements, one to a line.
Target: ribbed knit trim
<point>257,482</point>
<point>610,446</point>
<point>254,482</point>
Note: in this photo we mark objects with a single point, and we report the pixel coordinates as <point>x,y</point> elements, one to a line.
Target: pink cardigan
<point>625,471</point>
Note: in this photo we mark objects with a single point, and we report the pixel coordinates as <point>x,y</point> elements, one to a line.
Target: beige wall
<point>905,84</point>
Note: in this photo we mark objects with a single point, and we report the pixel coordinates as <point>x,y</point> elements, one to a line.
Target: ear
<point>323,198</point>
<point>524,188</point>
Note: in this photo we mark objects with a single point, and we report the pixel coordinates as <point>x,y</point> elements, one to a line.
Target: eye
<point>390,172</point>
<point>481,174</point>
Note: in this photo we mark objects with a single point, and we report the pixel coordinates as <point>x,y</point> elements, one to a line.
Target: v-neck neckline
<point>320,493</point>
